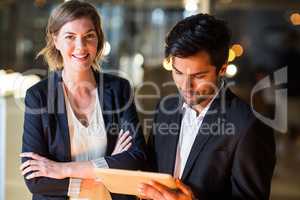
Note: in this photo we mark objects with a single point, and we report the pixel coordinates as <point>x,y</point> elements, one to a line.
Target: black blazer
<point>46,129</point>
<point>233,155</point>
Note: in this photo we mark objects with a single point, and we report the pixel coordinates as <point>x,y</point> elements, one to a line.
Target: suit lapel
<point>172,141</point>
<point>106,100</point>
<point>203,135</point>
<point>56,86</point>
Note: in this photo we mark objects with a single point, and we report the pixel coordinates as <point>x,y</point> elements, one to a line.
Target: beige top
<point>87,143</point>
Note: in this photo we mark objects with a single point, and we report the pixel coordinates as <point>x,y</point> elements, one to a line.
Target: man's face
<point>196,78</point>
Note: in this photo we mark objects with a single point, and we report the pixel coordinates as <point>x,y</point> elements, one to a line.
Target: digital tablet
<point>127,181</point>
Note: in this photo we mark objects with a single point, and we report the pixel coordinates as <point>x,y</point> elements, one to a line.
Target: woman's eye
<point>69,37</point>
<point>91,36</point>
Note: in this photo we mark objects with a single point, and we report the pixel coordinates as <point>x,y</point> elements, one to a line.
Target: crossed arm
<point>39,166</point>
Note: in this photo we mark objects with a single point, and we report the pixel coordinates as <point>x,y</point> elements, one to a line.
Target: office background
<point>266,38</point>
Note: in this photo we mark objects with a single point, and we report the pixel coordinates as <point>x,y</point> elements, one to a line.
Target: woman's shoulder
<point>40,86</point>
<point>111,78</point>
<point>113,81</point>
<point>43,85</point>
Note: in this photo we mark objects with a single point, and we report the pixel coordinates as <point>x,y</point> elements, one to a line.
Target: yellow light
<point>295,18</point>
<point>231,70</point>
<point>191,5</point>
<point>40,3</point>
<point>238,49</point>
<point>167,64</point>
<point>231,55</point>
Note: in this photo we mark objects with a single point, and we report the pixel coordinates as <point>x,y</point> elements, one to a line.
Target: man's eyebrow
<point>195,74</point>
<point>176,69</point>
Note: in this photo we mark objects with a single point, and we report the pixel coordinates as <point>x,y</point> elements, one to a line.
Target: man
<point>206,136</point>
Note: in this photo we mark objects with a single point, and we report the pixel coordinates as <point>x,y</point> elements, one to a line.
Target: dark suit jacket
<point>46,129</point>
<point>233,155</point>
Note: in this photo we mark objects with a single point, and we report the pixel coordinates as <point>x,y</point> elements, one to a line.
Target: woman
<point>74,119</point>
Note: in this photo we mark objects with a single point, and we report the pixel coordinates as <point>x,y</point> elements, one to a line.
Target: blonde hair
<point>64,13</point>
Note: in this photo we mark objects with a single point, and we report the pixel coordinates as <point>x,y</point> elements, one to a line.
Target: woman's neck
<point>75,80</point>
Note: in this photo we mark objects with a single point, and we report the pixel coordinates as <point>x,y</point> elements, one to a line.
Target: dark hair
<point>201,32</point>
<point>64,13</point>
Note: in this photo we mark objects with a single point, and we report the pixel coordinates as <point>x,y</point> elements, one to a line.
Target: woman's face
<point>77,42</point>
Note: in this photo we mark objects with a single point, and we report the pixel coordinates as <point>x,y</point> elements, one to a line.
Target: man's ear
<point>222,71</point>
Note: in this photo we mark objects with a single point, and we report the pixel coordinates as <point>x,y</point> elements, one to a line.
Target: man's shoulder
<point>238,108</point>
<point>172,102</point>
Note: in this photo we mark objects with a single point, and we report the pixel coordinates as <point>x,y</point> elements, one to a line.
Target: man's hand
<point>157,191</point>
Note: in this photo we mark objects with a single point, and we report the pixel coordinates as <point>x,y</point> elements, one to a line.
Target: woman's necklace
<point>81,109</point>
<point>67,84</point>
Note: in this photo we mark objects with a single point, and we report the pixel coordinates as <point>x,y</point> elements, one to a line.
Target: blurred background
<point>266,38</point>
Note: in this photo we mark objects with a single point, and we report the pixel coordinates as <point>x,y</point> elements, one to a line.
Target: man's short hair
<point>197,33</point>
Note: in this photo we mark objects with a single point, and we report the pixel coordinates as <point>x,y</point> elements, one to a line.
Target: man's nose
<point>187,83</point>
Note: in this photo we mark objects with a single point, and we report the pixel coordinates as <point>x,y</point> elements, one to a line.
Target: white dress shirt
<point>190,126</point>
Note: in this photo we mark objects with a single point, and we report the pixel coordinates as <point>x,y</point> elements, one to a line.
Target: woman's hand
<point>123,143</point>
<point>91,189</point>
<point>40,166</point>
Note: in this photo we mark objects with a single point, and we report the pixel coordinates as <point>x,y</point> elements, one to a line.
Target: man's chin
<point>194,101</point>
